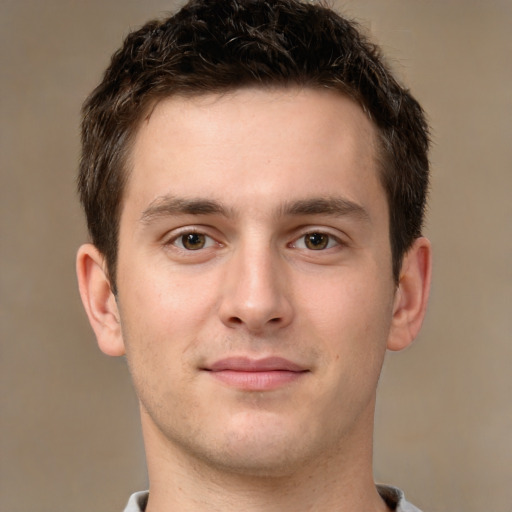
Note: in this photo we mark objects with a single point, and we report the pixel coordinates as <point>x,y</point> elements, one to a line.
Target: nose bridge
<point>255,292</point>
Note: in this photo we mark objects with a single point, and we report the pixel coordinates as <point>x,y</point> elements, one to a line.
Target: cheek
<point>160,299</point>
<point>353,315</point>
<point>158,331</point>
<point>160,318</point>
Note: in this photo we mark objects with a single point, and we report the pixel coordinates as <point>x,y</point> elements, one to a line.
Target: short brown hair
<point>220,45</point>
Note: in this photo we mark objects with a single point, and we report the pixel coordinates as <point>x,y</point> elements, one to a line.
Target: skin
<point>226,198</point>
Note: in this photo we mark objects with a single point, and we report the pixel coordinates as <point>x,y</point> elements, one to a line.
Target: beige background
<point>70,433</point>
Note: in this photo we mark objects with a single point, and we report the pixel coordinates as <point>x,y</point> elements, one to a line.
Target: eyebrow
<point>334,206</point>
<point>169,205</point>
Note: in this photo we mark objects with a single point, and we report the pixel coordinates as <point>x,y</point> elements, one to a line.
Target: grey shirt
<point>392,496</point>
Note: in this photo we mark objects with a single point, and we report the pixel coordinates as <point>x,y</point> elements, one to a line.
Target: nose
<point>255,292</point>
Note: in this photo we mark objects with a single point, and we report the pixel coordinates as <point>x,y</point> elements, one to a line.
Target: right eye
<point>193,241</point>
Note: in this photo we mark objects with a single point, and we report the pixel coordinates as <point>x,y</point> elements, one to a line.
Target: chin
<point>257,461</point>
<point>259,448</point>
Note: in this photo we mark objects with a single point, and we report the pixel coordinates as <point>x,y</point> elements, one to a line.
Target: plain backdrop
<point>70,431</point>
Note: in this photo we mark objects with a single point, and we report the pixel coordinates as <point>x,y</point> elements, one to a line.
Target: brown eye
<point>316,241</point>
<point>193,241</point>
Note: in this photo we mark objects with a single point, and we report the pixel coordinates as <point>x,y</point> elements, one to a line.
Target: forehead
<point>312,111</point>
<point>302,140</point>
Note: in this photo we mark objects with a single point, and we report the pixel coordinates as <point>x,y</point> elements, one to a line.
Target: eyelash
<point>178,240</point>
<point>331,242</point>
<point>315,238</point>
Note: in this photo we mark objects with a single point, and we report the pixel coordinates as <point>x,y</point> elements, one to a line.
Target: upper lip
<point>247,364</point>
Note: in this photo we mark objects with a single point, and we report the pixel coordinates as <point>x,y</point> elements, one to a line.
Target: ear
<point>411,296</point>
<point>98,300</point>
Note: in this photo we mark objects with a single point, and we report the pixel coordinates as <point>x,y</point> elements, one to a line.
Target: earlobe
<point>411,295</point>
<point>98,300</point>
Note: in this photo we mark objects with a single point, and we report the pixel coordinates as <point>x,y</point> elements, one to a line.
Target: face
<point>254,277</point>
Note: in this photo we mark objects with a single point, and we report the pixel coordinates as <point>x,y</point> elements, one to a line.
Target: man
<point>254,180</point>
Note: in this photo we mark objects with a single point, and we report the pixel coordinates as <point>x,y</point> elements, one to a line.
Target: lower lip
<point>257,381</point>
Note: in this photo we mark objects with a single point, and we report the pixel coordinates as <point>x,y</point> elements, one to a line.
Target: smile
<point>256,375</point>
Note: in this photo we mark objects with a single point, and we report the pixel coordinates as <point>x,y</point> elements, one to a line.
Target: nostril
<point>235,320</point>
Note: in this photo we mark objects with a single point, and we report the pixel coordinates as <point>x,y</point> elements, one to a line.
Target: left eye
<point>316,241</point>
<point>193,241</point>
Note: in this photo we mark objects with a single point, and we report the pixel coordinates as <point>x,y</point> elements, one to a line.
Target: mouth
<point>256,374</point>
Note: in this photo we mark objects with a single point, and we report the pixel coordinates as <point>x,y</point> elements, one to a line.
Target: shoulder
<point>395,499</point>
<point>137,502</point>
<point>393,496</point>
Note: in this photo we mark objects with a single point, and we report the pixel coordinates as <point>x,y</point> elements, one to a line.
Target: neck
<point>342,481</point>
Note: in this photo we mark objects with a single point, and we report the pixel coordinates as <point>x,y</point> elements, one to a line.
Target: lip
<point>256,374</point>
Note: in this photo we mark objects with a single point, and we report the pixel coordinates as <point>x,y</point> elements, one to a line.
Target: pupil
<point>193,241</point>
<point>316,241</point>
